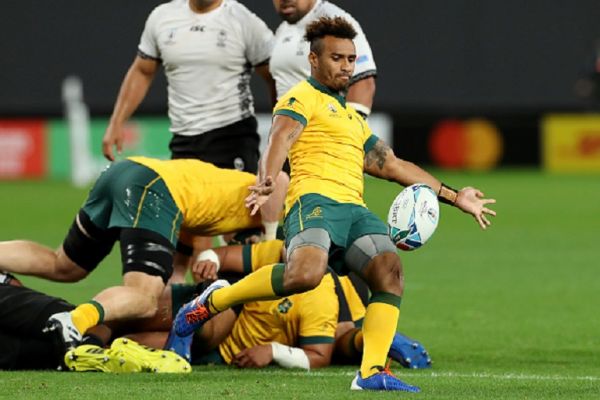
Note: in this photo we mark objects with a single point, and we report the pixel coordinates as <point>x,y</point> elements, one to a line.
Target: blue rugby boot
<point>409,352</point>
<point>181,345</point>
<point>384,380</point>
<point>194,314</point>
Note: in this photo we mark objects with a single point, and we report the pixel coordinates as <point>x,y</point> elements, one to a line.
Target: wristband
<point>447,195</point>
<point>209,255</point>
<point>289,357</point>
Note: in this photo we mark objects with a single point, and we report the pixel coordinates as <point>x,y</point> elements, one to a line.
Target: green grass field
<point>507,313</point>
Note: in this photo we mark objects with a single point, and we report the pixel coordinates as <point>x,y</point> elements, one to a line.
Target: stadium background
<point>499,95</point>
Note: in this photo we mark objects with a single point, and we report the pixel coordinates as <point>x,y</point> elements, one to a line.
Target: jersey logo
<point>291,102</point>
<point>317,212</point>
<point>284,306</point>
<point>170,40</point>
<point>197,28</point>
<point>221,38</point>
<point>331,108</point>
<point>362,59</point>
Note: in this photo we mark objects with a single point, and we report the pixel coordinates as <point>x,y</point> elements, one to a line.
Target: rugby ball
<point>413,217</point>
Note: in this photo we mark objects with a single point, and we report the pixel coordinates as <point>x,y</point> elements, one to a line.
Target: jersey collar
<point>322,88</point>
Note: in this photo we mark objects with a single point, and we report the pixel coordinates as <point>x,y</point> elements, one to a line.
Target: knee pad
<point>146,251</point>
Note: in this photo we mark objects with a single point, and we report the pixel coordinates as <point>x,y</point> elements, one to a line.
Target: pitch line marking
<point>449,374</point>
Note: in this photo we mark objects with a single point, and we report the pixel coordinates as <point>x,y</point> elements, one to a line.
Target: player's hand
<point>255,357</point>
<point>114,136</point>
<point>472,201</point>
<point>259,194</point>
<point>204,270</point>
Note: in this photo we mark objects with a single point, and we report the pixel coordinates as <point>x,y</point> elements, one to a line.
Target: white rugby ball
<point>413,216</point>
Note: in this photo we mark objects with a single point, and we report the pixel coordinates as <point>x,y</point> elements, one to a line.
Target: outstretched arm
<point>381,162</point>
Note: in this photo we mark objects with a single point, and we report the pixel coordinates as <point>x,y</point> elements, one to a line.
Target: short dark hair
<point>325,26</point>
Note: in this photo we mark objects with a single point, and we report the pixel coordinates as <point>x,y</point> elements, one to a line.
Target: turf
<point>505,313</point>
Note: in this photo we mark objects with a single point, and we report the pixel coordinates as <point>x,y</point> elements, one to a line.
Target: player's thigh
<point>147,258</point>
<point>84,247</point>
<point>313,211</point>
<point>367,239</point>
<point>307,258</point>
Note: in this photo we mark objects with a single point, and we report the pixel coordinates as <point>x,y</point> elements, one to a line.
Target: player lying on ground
<point>351,295</point>
<point>294,332</point>
<point>23,314</point>
<point>143,203</point>
<point>230,337</point>
<point>327,223</point>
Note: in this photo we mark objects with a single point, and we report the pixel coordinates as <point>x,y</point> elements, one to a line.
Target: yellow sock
<point>87,315</point>
<point>379,327</point>
<point>265,283</point>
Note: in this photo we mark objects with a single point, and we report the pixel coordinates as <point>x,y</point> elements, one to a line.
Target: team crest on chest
<point>284,306</point>
<point>333,112</point>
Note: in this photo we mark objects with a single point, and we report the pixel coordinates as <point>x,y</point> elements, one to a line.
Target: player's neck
<point>316,81</point>
<point>204,6</point>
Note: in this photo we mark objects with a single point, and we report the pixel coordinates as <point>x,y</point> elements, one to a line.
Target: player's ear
<point>313,59</point>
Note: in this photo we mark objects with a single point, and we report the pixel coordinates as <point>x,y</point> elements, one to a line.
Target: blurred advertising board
<point>143,136</point>
<point>571,142</point>
<point>22,149</point>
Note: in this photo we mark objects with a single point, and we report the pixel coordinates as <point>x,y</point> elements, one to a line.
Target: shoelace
<point>386,370</point>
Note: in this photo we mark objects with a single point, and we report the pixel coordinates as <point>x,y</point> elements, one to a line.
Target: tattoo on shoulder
<point>295,132</point>
<point>377,154</point>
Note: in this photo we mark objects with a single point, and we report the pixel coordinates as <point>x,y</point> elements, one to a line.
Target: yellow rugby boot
<point>94,358</point>
<point>152,360</point>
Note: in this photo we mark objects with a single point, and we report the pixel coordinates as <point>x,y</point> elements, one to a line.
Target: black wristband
<point>447,195</point>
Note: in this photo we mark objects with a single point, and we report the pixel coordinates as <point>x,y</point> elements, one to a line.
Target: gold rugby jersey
<point>328,157</point>
<point>211,199</point>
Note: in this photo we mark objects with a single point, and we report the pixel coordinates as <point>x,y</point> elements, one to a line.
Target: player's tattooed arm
<point>293,135</point>
<point>381,162</point>
<point>375,158</point>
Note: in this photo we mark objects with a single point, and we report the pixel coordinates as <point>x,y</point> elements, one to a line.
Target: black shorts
<point>234,146</point>
<point>23,315</point>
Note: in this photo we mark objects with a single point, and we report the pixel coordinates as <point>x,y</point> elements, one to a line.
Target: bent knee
<point>386,274</point>
<point>302,281</point>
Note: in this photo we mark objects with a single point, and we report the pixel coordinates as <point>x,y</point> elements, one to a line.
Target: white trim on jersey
<point>289,60</point>
<point>208,60</point>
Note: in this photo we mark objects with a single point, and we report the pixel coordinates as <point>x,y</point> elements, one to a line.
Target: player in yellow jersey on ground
<point>330,147</point>
<point>249,342</point>
<point>143,203</point>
